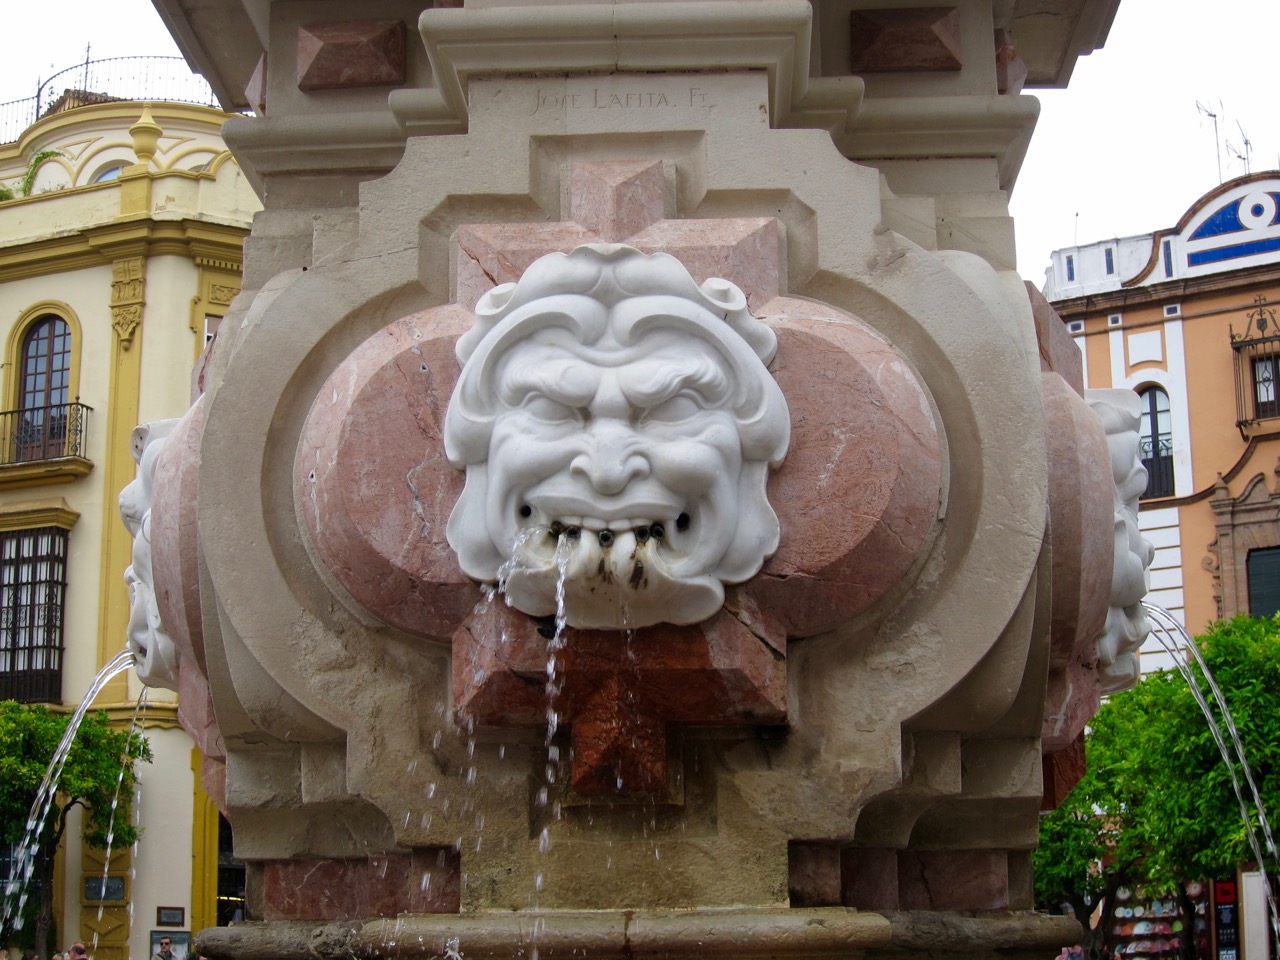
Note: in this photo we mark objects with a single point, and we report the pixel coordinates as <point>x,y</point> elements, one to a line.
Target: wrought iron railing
<point>1257,384</point>
<point>102,81</point>
<point>33,585</point>
<point>44,433</point>
<point>1157,458</point>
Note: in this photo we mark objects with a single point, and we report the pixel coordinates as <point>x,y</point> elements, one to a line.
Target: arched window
<point>43,387</point>
<point>1156,442</point>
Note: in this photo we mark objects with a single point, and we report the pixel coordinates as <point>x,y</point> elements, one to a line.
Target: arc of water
<point>23,864</point>
<point>139,710</point>
<point>1165,628</point>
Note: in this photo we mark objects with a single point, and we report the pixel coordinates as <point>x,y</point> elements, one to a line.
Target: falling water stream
<point>1176,641</point>
<point>17,885</point>
<point>139,711</point>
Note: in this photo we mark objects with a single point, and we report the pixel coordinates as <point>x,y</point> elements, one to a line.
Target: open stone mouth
<point>616,573</point>
<point>607,533</point>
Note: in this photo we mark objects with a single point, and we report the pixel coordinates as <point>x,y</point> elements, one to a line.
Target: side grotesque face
<point>1127,626</point>
<point>617,425</point>
<point>156,657</point>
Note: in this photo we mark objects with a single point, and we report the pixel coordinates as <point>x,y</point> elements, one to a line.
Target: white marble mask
<point>153,648</point>
<point>1126,627</point>
<point>617,424</point>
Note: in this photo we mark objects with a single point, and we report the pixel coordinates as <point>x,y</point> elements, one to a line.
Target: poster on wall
<point>170,944</point>
<point>1226,921</point>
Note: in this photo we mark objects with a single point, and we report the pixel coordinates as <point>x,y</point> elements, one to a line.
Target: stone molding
<point>769,35</point>
<point>1247,522</point>
<point>798,933</point>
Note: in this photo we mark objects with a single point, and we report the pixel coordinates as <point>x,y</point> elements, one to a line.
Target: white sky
<point>1123,146</point>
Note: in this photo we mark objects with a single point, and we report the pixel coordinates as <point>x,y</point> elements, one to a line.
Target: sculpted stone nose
<point>613,458</point>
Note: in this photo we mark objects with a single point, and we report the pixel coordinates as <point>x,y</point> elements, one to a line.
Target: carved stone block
<point>911,39</point>
<point>353,53</point>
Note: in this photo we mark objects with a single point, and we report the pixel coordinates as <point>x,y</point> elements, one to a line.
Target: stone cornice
<point>161,716</point>
<point>1078,308</point>
<point>772,36</point>
<point>98,246</point>
<point>102,117</point>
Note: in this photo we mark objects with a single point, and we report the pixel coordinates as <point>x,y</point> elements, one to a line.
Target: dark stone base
<point>669,935</point>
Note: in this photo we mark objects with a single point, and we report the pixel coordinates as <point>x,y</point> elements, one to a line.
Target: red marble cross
<point>617,691</point>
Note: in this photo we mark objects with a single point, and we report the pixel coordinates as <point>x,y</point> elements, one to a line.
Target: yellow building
<point>1186,316</point>
<point>120,247</point>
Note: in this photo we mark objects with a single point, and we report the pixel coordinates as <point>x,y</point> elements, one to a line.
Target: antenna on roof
<point>1248,149</point>
<point>1205,111</point>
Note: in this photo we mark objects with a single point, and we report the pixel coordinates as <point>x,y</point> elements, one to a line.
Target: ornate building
<point>121,227</point>
<point>1186,317</point>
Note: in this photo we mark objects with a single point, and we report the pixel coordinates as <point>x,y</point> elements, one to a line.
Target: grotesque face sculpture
<point>153,649</point>
<point>617,425</point>
<point>1126,627</point>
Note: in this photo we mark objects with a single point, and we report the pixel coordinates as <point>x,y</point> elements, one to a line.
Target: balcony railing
<point>103,81</point>
<point>44,433</point>
<point>1257,365</point>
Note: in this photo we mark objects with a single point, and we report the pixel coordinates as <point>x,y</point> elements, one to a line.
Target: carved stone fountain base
<point>773,932</point>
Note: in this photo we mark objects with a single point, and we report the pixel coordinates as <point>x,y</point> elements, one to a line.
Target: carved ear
<point>728,300</point>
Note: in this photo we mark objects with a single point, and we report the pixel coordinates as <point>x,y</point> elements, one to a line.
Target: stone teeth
<point>624,543</point>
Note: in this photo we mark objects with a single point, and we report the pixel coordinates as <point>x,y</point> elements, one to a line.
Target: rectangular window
<point>1111,261</point>
<point>211,328</point>
<point>1263,568</point>
<point>1075,326</point>
<point>33,584</point>
<point>1173,310</point>
<point>1071,269</point>
<point>1115,320</point>
<point>1167,250</point>
<point>1265,402</point>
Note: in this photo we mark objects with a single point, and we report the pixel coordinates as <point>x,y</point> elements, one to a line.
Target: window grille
<point>1155,444</point>
<point>33,585</point>
<point>1257,356</point>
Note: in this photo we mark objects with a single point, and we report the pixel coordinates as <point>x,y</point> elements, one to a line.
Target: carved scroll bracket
<point>128,289</point>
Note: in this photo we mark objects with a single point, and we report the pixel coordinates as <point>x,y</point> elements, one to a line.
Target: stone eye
<point>551,411</point>
<point>674,410</point>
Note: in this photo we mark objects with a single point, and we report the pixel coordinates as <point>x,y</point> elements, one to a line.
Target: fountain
<point>630,527</point>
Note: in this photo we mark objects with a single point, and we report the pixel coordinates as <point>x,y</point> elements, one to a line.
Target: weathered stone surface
<point>859,493</point>
<point>1080,524</point>
<point>372,480</point>
<point>742,250</point>
<point>426,881</point>
<point>1058,350</point>
<point>352,53</point>
<point>788,934</point>
<point>953,880</point>
<point>175,537</point>
<point>813,874</point>
<point>869,878</point>
<point>915,39</point>
<point>616,690</point>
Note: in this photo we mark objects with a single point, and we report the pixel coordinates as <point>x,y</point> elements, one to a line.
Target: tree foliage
<point>98,776</point>
<point>1156,806</point>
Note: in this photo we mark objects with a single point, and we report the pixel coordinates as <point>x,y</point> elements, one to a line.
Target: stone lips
<point>857,496</point>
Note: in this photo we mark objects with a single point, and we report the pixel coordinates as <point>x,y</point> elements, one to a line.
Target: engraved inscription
<point>606,99</point>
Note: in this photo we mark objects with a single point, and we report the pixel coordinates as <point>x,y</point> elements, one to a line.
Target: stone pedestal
<point>847,758</point>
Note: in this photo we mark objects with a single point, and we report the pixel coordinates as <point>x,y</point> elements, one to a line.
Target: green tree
<point>1157,806</point>
<point>91,779</point>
